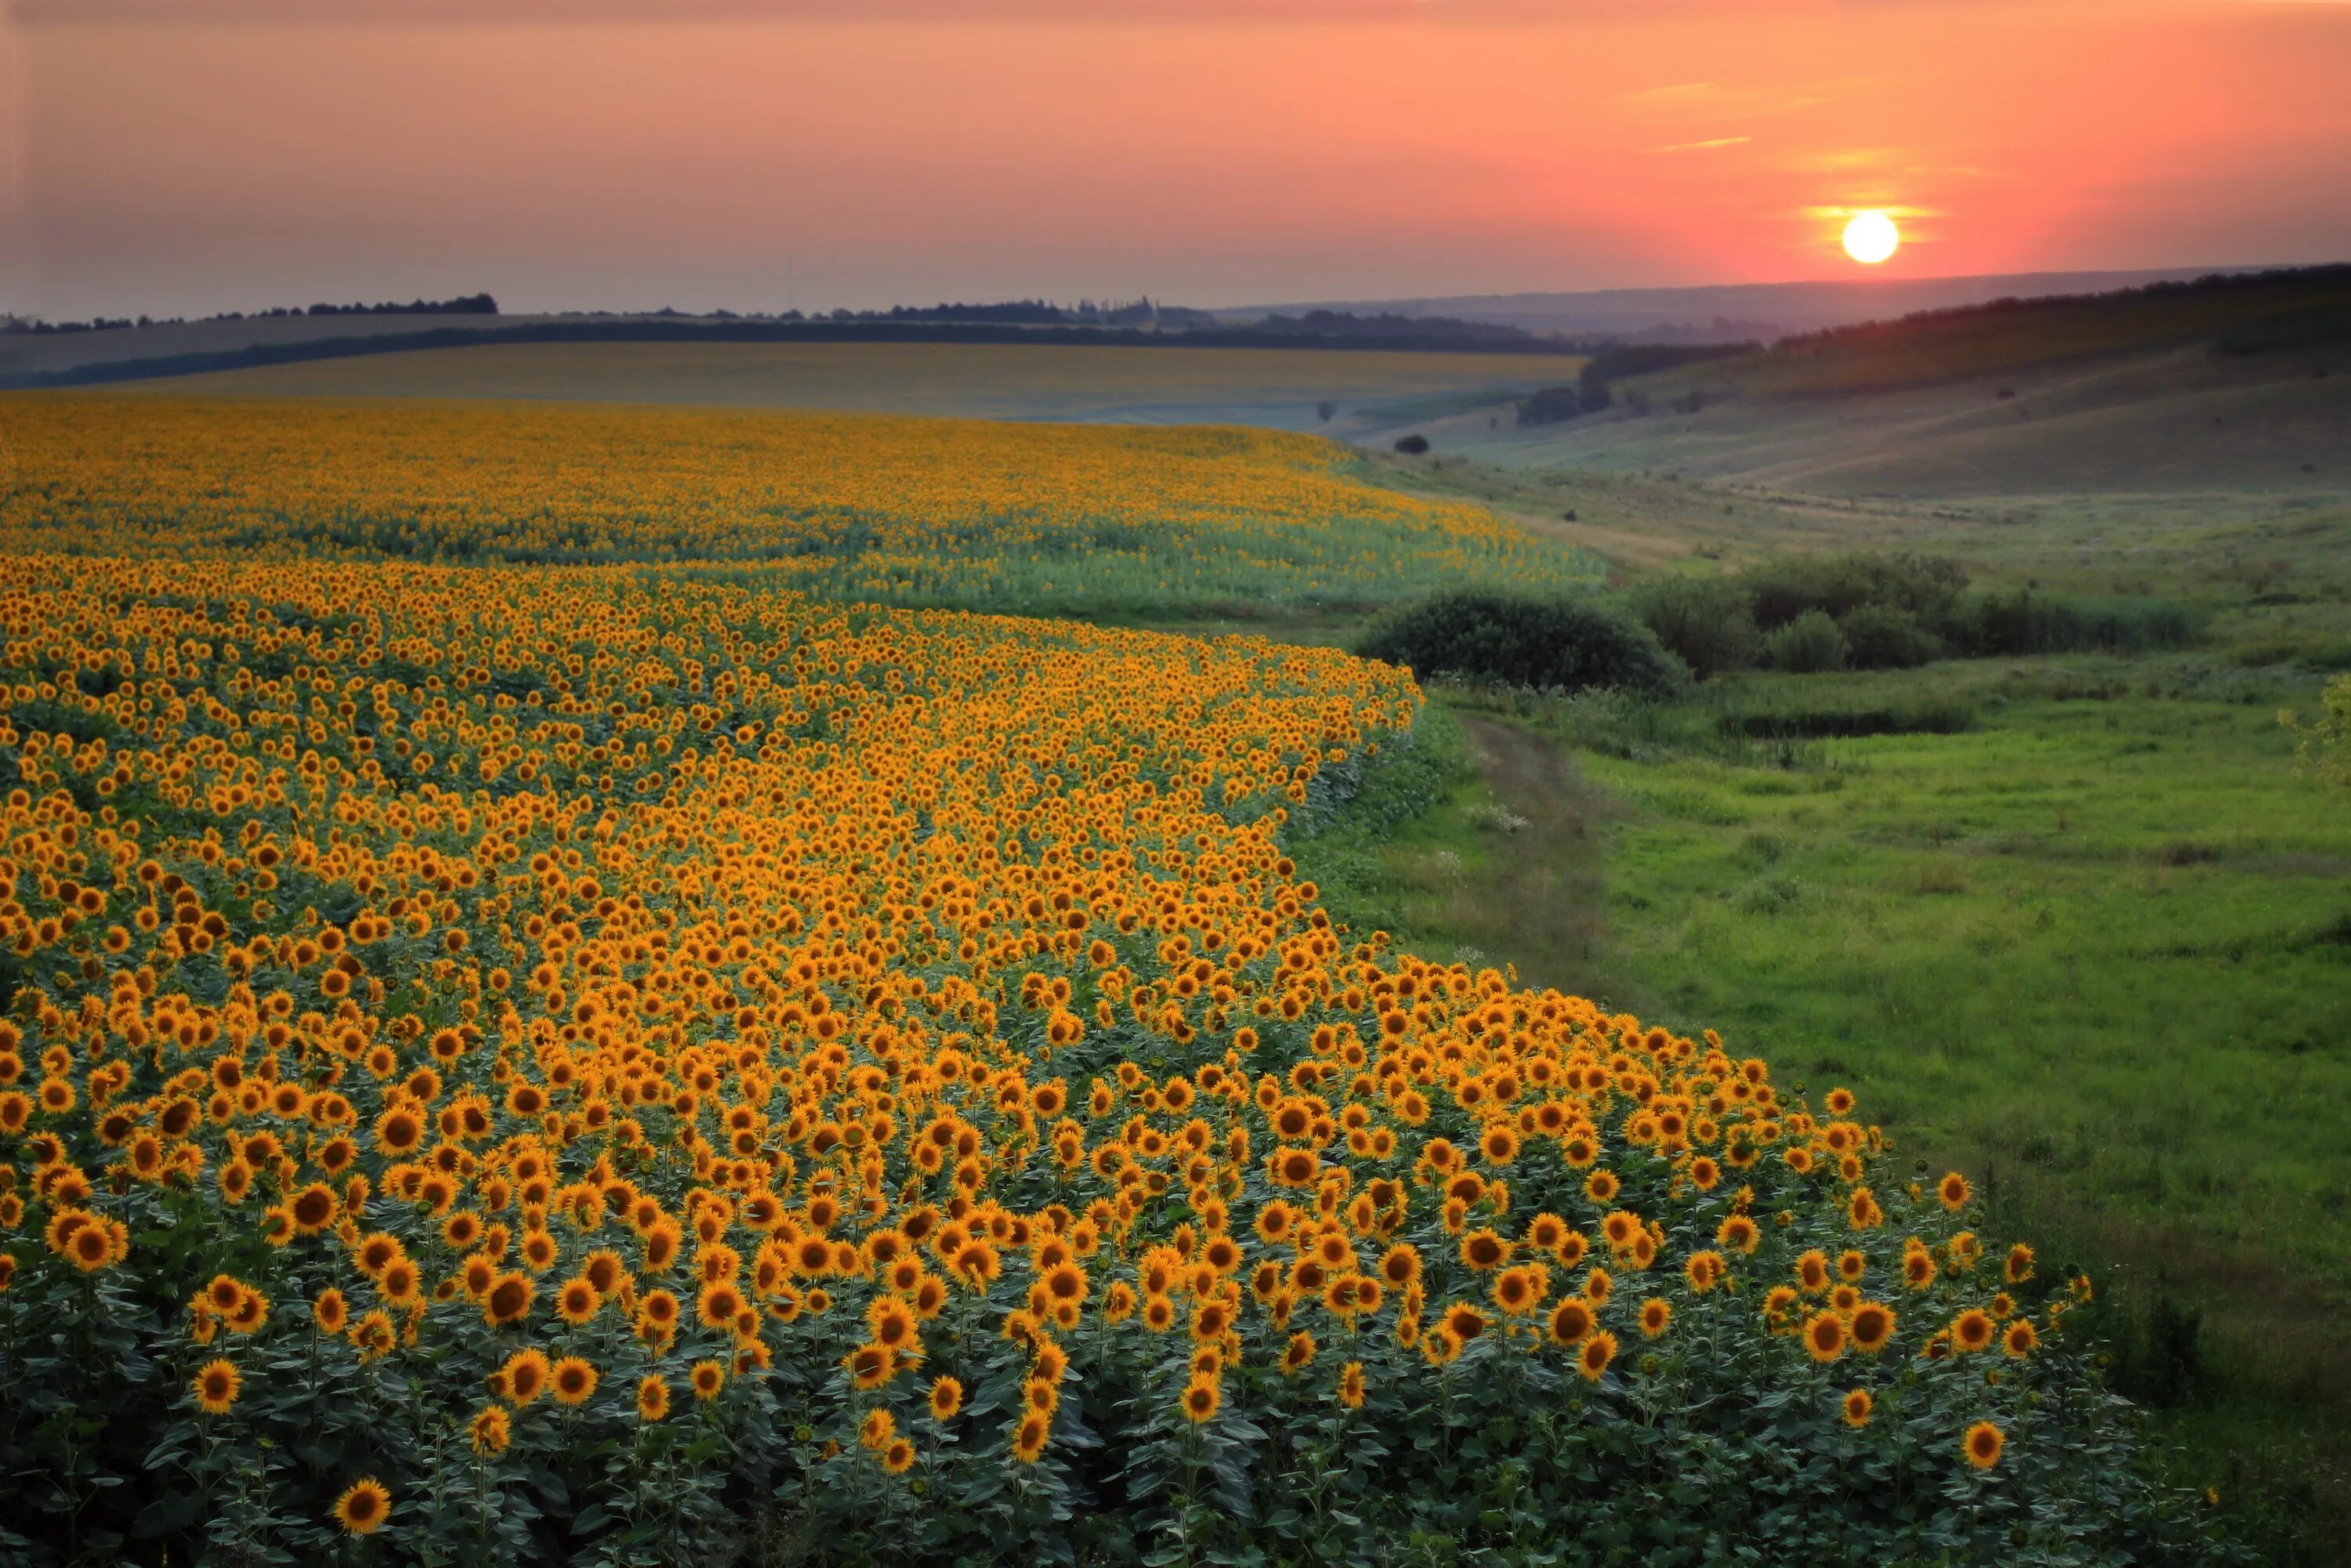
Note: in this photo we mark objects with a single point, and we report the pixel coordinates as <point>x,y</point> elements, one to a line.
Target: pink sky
<point>191,155</point>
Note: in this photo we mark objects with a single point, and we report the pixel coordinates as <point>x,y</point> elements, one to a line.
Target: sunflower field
<point>594,1063</point>
<point>960,513</point>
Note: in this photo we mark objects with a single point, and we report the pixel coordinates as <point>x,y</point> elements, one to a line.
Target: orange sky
<point>191,155</point>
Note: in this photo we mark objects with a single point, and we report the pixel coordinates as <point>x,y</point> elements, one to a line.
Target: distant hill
<point>2239,384</point>
<point>1728,313</point>
<point>2233,312</point>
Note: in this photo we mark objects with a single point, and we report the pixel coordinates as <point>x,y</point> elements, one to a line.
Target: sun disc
<point>1871,237</point>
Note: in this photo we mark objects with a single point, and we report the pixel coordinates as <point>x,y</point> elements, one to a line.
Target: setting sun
<point>1871,237</point>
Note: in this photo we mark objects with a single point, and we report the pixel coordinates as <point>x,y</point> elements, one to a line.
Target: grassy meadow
<point>2076,917</point>
<point>2075,920</point>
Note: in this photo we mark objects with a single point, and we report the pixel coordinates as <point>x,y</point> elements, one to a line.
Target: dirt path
<point>1540,903</point>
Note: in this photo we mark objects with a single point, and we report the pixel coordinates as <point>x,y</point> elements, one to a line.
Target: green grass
<point>2080,931</point>
<point>2107,936</point>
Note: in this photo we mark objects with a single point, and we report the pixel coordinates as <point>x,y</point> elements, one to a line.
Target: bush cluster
<point>1883,613</point>
<point>1567,643</point>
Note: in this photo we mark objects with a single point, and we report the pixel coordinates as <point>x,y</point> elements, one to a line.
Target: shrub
<point>1704,621</point>
<point>1552,405</point>
<point>1882,637</point>
<point>1563,643</point>
<point>2326,745</point>
<point>1411,446</point>
<point>1934,716</point>
<point>2025,622</point>
<point>1807,646</point>
<point>1779,591</point>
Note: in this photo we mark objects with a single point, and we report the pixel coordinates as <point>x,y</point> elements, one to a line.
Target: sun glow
<point>1871,237</point>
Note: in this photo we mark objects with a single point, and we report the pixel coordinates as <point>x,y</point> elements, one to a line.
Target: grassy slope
<point>2145,425</point>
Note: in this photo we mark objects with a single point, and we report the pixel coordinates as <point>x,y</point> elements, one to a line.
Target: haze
<point>185,158</point>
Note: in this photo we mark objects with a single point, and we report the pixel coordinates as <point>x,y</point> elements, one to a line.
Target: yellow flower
<point>363,1506</point>
<point>217,1384</point>
<point>1983,1443</point>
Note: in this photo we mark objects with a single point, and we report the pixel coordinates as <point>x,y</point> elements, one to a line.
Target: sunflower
<point>1351,1386</point>
<point>891,1321</point>
<point>526,1372</point>
<point>878,1429</point>
<point>1030,1437</point>
<point>1592,1358</point>
<point>1520,1291</point>
<point>1858,1404</point>
<point>330,1312</point>
<point>1872,1326</point>
<point>362,1508</point>
<point>574,1381</point>
<point>2021,1338</point>
<point>1973,1330</point>
<point>946,1399</point>
<point>1297,1354</point>
<point>1201,1398</point>
<point>1824,1336</point>
<point>1704,1270</point>
<point>507,1300</point>
<point>657,1315</point>
<point>577,1301</point>
<point>216,1387</point>
<point>898,1458</point>
<point>401,1284</point>
<point>720,1304</point>
<point>252,1310</point>
<point>1657,1314</point>
<point>709,1377</point>
<point>491,1431</point>
<point>1982,1445</point>
<point>374,1335</point>
<point>653,1396</point>
<point>1571,1321</point>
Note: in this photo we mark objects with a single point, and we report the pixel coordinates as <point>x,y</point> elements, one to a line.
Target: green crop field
<point>1282,387</point>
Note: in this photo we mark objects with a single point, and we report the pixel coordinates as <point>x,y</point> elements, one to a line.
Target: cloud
<point>1702,146</point>
<point>1716,98</point>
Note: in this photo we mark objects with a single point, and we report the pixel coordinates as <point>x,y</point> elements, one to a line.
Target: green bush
<point>1561,644</point>
<point>1931,715</point>
<point>1705,621</point>
<point>1778,593</point>
<point>1884,637</point>
<point>2025,622</point>
<point>1807,646</point>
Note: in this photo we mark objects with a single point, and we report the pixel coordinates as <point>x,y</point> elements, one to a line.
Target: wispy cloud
<point>1719,99</point>
<point>1702,146</point>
